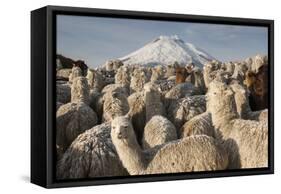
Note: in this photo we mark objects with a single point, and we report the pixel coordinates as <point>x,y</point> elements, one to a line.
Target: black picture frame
<point>43,52</point>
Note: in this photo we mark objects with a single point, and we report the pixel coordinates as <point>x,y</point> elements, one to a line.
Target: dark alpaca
<point>181,75</point>
<point>257,83</point>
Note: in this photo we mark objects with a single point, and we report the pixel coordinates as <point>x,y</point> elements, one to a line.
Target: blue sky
<point>96,39</point>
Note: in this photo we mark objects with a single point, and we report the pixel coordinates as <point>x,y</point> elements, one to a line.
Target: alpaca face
<point>250,79</point>
<point>208,69</point>
<point>190,67</point>
<point>219,76</point>
<point>219,89</point>
<point>121,128</point>
<point>76,72</point>
<point>219,95</point>
<point>80,90</point>
<point>181,74</point>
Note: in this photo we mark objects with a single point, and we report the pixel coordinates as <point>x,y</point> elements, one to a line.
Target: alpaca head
<point>222,76</point>
<point>211,66</point>
<point>197,72</point>
<point>240,97</point>
<point>250,79</point>
<point>190,67</point>
<point>170,70</point>
<point>116,105</point>
<point>181,71</point>
<point>150,86</point>
<point>109,65</point>
<point>220,98</point>
<point>159,68</point>
<point>119,95</point>
<point>259,61</point>
<point>249,61</point>
<point>181,74</point>
<point>122,130</point>
<point>122,76</point>
<point>140,76</point>
<point>229,67</point>
<point>157,72</point>
<point>75,72</point>
<point>91,76</point>
<point>80,90</point>
<point>244,67</point>
<point>117,64</point>
<point>171,67</point>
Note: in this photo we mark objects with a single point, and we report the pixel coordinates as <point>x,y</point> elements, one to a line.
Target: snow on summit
<point>165,50</point>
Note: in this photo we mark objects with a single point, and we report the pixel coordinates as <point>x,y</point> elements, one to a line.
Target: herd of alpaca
<point>122,120</point>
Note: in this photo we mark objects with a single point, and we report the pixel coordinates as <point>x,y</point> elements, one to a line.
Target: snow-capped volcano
<point>166,50</point>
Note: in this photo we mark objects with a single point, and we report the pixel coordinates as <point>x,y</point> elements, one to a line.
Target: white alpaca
<point>63,73</point>
<point>91,155</point>
<point>258,61</point>
<point>240,70</point>
<point>195,153</point>
<point>91,78</point>
<point>75,117</point>
<point>111,65</point>
<point>197,79</point>
<point>137,113</point>
<point>158,131</point>
<point>122,77</point>
<point>99,81</point>
<point>158,73</point>
<point>209,71</point>
<point>170,71</point>
<point>199,125</point>
<point>153,102</point>
<point>80,91</point>
<point>184,109</point>
<point>229,67</point>
<point>115,104</point>
<point>75,72</point>
<point>180,91</point>
<point>115,88</point>
<point>138,80</point>
<point>245,140</point>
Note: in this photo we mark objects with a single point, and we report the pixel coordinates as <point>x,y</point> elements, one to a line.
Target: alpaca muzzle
<point>119,136</point>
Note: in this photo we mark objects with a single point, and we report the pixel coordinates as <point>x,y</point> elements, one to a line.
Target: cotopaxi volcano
<point>165,50</point>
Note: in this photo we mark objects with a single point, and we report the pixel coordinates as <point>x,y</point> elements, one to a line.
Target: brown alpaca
<point>181,75</point>
<point>257,83</point>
